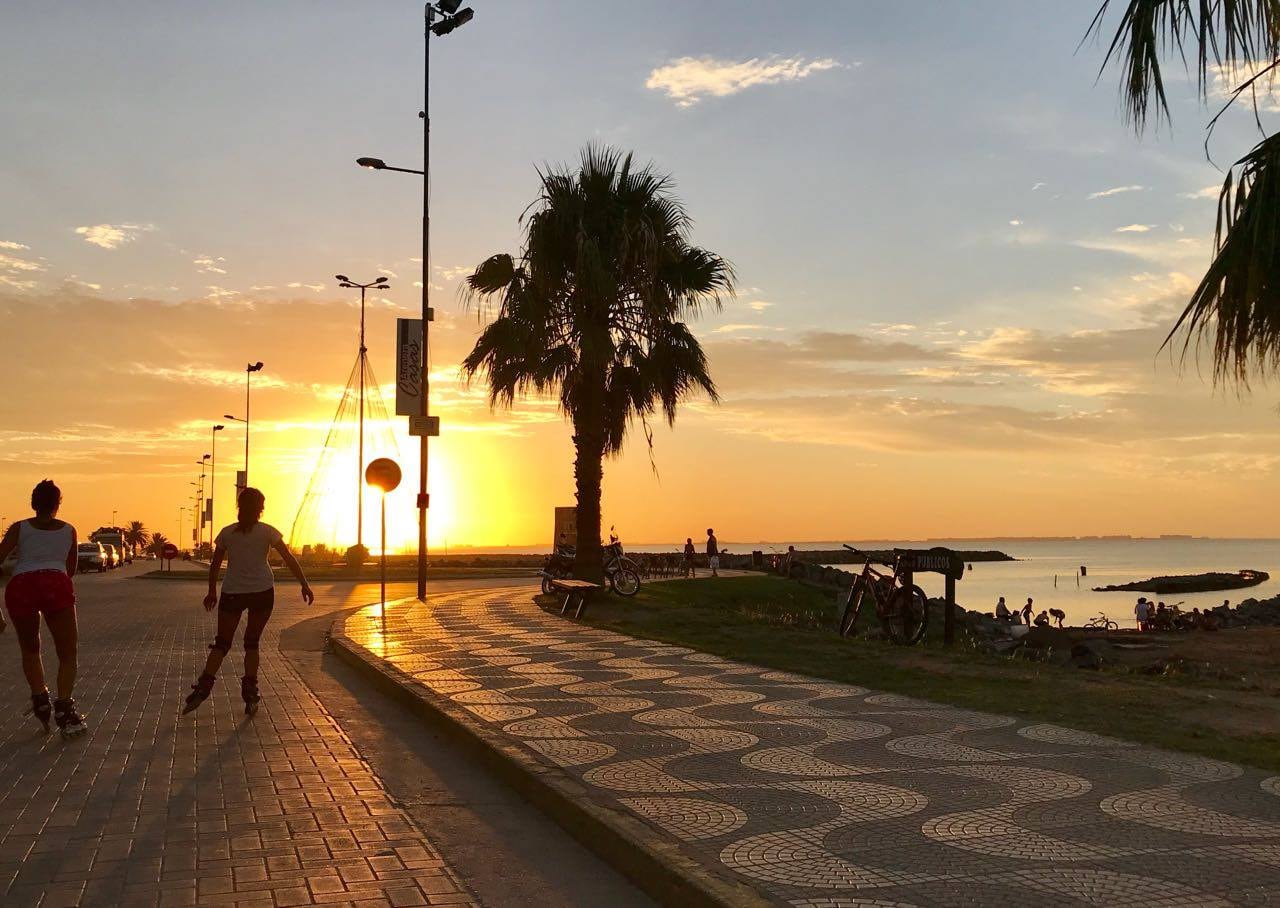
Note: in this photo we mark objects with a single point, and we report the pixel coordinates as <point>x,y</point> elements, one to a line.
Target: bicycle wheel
<point>625,582</point>
<point>906,616</point>
<point>853,606</point>
<point>547,589</point>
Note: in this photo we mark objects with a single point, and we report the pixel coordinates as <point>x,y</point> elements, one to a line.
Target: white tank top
<point>42,550</point>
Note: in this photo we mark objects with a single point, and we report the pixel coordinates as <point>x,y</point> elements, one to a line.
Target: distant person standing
<point>690,555</point>
<point>248,587</point>
<point>1142,612</point>
<point>713,553</point>
<point>1027,610</point>
<point>41,585</point>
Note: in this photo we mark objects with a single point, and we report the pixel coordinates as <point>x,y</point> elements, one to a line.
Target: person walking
<point>713,553</point>
<point>1027,610</point>
<point>690,554</point>
<point>41,585</point>
<point>248,587</point>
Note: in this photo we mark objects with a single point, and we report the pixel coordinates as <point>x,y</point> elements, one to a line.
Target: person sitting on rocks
<point>1208,621</point>
<point>1058,616</point>
<point>1042,619</point>
<point>1002,611</point>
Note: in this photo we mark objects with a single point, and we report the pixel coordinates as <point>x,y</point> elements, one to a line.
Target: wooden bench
<point>574,589</point>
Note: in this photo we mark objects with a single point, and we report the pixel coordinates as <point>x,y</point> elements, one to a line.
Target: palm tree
<point>158,542</point>
<point>1237,303</point>
<point>136,536</point>
<point>592,310</point>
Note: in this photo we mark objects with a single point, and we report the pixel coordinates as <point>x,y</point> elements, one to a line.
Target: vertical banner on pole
<point>208,510</point>
<point>240,481</point>
<point>408,367</point>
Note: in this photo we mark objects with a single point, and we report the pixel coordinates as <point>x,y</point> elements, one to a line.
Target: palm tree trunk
<point>588,469</point>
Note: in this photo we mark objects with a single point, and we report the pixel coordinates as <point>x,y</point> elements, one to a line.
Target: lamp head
<point>218,428</point>
<point>343,278</point>
<point>372,163</point>
<point>381,280</point>
<point>255,367</point>
<point>229,416</point>
<point>448,7</point>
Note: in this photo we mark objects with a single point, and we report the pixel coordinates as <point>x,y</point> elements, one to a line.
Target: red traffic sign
<point>383,473</point>
<point>170,551</point>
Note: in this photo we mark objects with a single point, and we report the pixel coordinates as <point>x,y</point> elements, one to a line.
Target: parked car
<point>113,556</point>
<point>91,556</point>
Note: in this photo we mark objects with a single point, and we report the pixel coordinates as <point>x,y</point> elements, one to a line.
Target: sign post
<point>383,474</point>
<point>168,553</point>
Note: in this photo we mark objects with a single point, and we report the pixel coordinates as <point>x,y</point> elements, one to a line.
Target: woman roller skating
<point>41,585</point>
<point>248,587</point>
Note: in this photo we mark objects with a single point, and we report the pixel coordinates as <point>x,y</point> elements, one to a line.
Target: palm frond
<point>1237,304</point>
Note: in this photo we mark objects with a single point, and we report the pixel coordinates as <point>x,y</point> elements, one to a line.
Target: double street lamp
<point>442,18</point>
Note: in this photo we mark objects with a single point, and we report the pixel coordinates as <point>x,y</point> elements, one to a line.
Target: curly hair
<point>46,496</point>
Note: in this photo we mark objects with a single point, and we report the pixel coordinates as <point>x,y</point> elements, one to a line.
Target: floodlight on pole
<point>441,19</point>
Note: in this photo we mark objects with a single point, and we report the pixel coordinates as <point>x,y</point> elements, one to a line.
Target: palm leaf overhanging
<point>1237,304</point>
<point>593,311</point>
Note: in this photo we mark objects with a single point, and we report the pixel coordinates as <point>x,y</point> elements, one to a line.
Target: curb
<point>648,859</point>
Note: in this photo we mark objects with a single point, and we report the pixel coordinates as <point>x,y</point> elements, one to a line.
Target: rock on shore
<point>1190,583</point>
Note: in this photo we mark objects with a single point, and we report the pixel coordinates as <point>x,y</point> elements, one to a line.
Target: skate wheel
<point>250,709</point>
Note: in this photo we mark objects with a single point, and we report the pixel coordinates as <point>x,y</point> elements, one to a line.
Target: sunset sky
<point>957,263</point>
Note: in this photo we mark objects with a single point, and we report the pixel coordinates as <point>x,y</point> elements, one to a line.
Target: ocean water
<point>1047,571</point>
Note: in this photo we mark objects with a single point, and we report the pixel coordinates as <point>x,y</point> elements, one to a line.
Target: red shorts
<point>27,595</point>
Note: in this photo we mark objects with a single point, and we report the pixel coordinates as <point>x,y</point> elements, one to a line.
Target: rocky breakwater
<point>1190,583</point>
<point>1249,613</point>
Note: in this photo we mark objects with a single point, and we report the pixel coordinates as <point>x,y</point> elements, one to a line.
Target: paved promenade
<point>824,795</point>
<point>154,808</point>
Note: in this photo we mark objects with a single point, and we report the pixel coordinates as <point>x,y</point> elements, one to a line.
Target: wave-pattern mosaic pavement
<point>825,795</point>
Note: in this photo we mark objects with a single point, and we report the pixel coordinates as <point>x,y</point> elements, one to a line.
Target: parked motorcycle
<point>621,572</point>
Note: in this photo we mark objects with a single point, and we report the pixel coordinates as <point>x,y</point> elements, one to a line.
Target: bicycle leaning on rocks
<point>903,610</point>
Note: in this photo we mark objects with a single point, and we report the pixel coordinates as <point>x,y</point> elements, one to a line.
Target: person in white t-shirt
<point>249,586</point>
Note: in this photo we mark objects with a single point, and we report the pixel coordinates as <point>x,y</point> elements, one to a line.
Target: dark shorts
<point>252,602</point>
<point>37,592</point>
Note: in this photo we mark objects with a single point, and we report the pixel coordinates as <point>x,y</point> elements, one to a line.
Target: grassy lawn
<point>772,622</point>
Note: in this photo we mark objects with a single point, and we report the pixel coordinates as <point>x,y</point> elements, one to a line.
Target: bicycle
<point>1102,623</point>
<point>903,611</point>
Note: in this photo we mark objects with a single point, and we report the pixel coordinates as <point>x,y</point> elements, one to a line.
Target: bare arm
<point>215,565</point>
<point>296,569</point>
<point>10,541</point>
<point>73,554</point>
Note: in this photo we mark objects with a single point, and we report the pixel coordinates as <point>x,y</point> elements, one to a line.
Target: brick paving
<point>156,808</point>
<point>826,795</point>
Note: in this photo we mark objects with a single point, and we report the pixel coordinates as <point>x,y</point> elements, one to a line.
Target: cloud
<point>1207,192</point>
<point>688,80</point>
<point>1115,190</point>
<point>1038,186</point>
<point>298,284</point>
<point>758,305</point>
<point>209,265</point>
<point>1134,228</point>
<point>18,273</point>
<point>10,244</point>
<point>1015,223</point>
<point>1226,79</point>
<point>112,236</point>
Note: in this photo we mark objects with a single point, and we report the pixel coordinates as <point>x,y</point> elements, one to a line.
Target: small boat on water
<point>1191,583</point>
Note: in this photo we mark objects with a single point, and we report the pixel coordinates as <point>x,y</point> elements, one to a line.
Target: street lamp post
<point>213,477</point>
<point>441,18</point>
<point>381,283</point>
<point>248,371</point>
<point>203,463</point>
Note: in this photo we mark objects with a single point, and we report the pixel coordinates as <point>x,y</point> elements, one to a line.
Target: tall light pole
<point>248,372</point>
<point>441,18</point>
<point>380,283</point>
<point>245,422</point>
<point>213,477</point>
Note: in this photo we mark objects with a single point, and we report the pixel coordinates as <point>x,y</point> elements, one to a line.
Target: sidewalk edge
<point>642,855</point>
